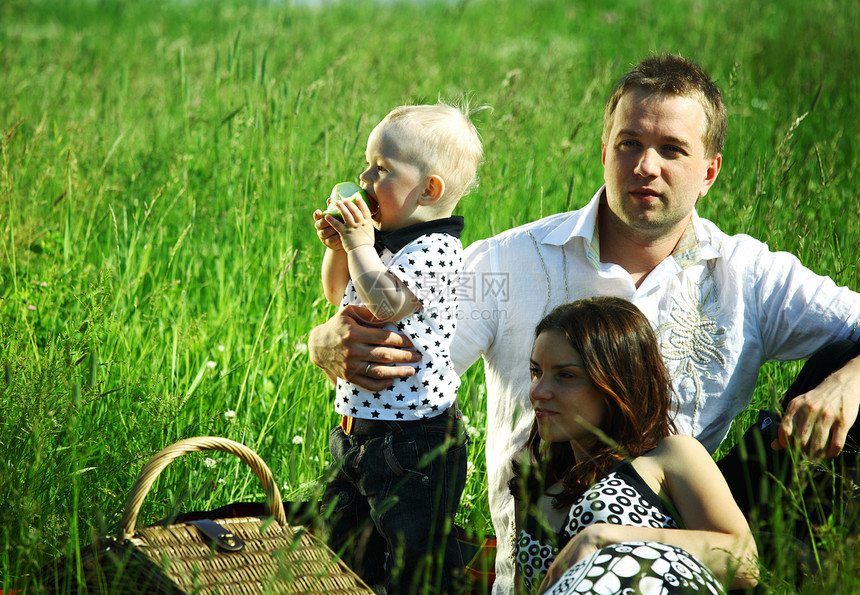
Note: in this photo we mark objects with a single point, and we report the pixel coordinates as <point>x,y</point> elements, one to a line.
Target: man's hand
<point>348,346</point>
<point>818,421</point>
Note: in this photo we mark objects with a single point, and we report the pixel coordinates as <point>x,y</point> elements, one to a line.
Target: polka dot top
<point>620,497</point>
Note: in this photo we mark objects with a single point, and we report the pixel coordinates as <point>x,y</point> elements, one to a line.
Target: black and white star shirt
<point>426,258</point>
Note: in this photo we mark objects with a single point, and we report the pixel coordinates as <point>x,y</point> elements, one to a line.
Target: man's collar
<point>584,226</point>
<point>690,249</point>
<point>397,239</point>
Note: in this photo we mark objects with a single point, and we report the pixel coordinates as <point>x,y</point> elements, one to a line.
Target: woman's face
<point>566,403</point>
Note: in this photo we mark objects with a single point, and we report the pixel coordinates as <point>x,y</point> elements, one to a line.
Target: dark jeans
<point>392,499</point>
<point>756,473</point>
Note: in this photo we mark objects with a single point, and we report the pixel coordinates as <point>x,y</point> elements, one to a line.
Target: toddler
<point>399,453</point>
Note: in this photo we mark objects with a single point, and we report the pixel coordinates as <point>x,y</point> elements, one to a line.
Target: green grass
<point>160,162</point>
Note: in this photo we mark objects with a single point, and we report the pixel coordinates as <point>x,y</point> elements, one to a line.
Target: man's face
<point>654,163</point>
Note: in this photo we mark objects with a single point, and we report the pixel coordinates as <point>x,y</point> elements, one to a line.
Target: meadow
<point>160,161</point>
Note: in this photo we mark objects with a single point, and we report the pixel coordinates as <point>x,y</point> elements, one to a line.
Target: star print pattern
<point>429,267</point>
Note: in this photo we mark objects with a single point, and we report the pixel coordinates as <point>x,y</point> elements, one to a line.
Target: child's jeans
<point>392,494</point>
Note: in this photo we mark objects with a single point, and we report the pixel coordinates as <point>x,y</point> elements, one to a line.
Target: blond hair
<point>442,141</point>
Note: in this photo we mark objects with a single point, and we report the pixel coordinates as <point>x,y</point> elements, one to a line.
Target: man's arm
<point>818,420</point>
<point>477,312</point>
<point>801,312</point>
<point>348,346</point>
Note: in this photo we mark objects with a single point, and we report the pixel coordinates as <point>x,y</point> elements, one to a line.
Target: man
<point>721,305</point>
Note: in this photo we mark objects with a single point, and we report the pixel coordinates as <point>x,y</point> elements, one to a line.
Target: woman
<point>603,478</point>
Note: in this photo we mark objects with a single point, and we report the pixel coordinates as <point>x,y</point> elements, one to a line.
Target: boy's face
<point>392,183</point>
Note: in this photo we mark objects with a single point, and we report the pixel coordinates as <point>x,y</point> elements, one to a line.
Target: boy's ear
<point>433,190</point>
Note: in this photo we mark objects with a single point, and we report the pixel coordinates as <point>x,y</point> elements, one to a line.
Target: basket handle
<point>164,457</point>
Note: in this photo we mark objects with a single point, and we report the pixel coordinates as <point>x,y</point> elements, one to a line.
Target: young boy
<point>399,454</point>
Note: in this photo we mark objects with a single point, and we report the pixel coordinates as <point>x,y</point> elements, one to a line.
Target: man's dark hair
<point>668,74</point>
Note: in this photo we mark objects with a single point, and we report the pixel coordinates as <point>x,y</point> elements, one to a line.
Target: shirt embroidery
<point>512,539</point>
<point>546,274</point>
<point>687,252</point>
<point>693,338</point>
<point>593,252</point>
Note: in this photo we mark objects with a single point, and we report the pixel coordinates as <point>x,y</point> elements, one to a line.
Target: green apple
<point>343,191</point>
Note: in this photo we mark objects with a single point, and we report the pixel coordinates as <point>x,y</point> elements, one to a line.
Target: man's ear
<point>434,188</point>
<point>711,173</point>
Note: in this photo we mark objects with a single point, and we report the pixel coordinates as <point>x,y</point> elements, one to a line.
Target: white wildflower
<point>220,348</point>
<point>473,432</point>
<point>211,365</point>
<point>209,462</point>
<point>302,347</point>
<point>298,439</point>
<point>230,415</point>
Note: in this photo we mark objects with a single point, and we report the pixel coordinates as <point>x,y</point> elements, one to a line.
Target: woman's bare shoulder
<point>677,452</point>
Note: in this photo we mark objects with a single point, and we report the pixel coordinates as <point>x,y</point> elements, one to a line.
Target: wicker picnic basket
<point>241,555</point>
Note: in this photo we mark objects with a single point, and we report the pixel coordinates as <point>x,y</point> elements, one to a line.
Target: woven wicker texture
<point>277,558</point>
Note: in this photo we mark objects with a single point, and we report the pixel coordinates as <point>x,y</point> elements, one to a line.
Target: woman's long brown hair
<point>622,359</point>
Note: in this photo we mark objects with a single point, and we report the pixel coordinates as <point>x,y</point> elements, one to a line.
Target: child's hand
<point>326,233</point>
<point>356,229</point>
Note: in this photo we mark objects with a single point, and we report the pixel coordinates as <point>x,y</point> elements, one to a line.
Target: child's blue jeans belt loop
<point>355,426</point>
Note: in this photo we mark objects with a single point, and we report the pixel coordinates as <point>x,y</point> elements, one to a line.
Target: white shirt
<point>428,266</point>
<point>721,306</point>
